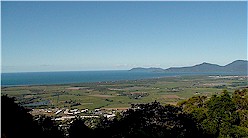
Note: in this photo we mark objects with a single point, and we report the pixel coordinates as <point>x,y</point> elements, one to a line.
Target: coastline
<point>77,77</point>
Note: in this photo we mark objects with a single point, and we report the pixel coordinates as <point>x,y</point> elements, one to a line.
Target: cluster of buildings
<point>60,114</point>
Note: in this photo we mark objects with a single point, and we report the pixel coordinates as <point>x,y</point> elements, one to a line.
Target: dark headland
<point>235,66</point>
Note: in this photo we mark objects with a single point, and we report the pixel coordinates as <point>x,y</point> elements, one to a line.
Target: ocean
<point>48,78</point>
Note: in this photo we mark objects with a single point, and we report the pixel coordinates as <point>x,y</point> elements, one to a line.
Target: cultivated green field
<point>121,94</point>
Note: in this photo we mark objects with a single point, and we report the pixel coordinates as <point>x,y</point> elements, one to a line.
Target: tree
<point>49,127</point>
<point>79,129</point>
<point>240,98</point>
<point>221,116</point>
<point>196,106</point>
<point>153,120</point>
<point>16,121</point>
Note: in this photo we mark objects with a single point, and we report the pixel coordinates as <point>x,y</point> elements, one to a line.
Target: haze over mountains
<point>235,66</point>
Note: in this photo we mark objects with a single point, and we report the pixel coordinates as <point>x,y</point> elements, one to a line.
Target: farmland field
<point>121,94</point>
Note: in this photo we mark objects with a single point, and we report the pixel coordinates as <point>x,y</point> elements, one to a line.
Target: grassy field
<point>120,94</point>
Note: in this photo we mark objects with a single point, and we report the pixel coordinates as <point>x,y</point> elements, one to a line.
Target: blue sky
<point>68,36</point>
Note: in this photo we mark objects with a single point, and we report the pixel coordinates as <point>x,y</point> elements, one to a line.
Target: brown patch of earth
<point>171,97</point>
<point>102,96</point>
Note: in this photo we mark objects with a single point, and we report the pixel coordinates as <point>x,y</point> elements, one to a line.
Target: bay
<point>67,77</point>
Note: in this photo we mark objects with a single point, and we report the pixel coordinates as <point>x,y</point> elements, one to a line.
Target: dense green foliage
<point>18,123</point>
<point>79,129</point>
<point>152,120</point>
<point>219,116</point>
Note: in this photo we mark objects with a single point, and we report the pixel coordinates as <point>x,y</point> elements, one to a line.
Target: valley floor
<point>93,99</point>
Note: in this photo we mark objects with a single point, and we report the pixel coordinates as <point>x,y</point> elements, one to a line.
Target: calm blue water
<point>41,78</point>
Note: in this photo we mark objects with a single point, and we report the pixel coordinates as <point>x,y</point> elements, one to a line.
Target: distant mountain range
<point>235,66</point>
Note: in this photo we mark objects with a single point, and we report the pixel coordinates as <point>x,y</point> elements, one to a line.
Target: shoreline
<point>126,80</point>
